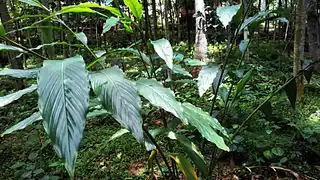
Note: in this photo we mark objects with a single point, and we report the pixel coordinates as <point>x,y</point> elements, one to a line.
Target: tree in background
<point>201,43</point>
<point>299,41</point>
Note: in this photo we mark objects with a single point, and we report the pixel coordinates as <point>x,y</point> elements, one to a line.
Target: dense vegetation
<point>159,89</point>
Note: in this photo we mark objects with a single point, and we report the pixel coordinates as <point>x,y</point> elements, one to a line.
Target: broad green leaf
<point>4,47</point>
<point>241,84</point>
<point>120,97</point>
<point>192,150</point>
<point>118,134</point>
<point>32,3</point>
<point>96,113</point>
<point>178,57</point>
<point>205,124</point>
<point>253,19</point>
<point>5,100</point>
<point>23,124</point>
<point>243,45</point>
<point>135,7</point>
<point>112,21</point>
<point>177,69</point>
<point>2,31</point>
<point>160,96</point>
<point>20,73</point>
<point>82,38</point>
<point>291,91</point>
<point>206,78</point>
<point>194,62</point>
<point>63,87</point>
<point>164,50</point>
<point>185,166</point>
<point>226,13</point>
<point>113,10</point>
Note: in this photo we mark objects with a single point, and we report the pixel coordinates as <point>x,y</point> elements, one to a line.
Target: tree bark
<point>313,30</point>
<point>299,41</point>
<point>201,43</point>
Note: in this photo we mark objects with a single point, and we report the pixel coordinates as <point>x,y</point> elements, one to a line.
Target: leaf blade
<point>5,100</point>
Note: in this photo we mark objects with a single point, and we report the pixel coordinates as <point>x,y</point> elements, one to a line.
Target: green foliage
<point>63,101</point>
<point>206,77</point>
<point>160,96</point>
<point>164,50</point>
<point>120,97</point>
<point>185,166</point>
<point>110,22</point>
<point>4,47</point>
<point>82,38</point>
<point>135,7</point>
<point>226,13</point>
<point>2,30</point>
<point>205,124</point>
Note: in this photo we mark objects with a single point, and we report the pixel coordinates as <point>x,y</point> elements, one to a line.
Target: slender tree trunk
<point>299,41</point>
<point>155,23</point>
<point>146,19</point>
<point>313,30</point>
<point>246,30</point>
<point>201,44</point>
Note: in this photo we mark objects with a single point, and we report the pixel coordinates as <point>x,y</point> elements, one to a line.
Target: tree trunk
<point>201,44</point>
<point>5,17</point>
<point>313,30</point>
<point>299,40</point>
<point>155,23</point>
<point>146,19</point>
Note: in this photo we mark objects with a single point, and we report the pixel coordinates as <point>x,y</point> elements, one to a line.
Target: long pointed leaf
<point>23,124</point>
<point>120,97</point>
<point>63,101</point>
<point>5,100</point>
<point>4,47</point>
<point>164,50</point>
<point>20,73</point>
<point>185,166</point>
<point>205,124</point>
<point>135,7</point>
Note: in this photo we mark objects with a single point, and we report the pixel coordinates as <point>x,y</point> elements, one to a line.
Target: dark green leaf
<point>120,97</point>
<point>20,73</point>
<point>112,21</point>
<point>308,73</point>
<point>191,149</point>
<point>164,50</point>
<point>253,19</point>
<point>5,100</point>
<point>23,124</point>
<point>277,151</point>
<point>241,84</point>
<point>226,13</point>
<point>291,91</point>
<point>205,124</point>
<point>186,167</point>
<point>267,109</point>
<point>63,102</point>
<point>135,7</point>
<point>159,96</point>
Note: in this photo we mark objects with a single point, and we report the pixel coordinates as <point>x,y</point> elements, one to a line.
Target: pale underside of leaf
<point>206,78</point>
<point>63,101</point>
<point>120,97</point>
<point>160,96</point>
<point>20,73</point>
<point>5,100</point>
